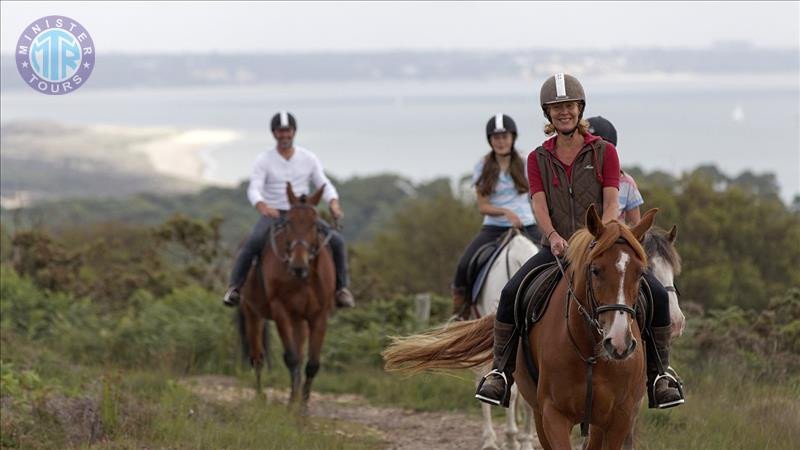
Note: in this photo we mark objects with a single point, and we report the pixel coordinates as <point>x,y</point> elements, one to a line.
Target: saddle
<point>533,298</point>
<point>481,262</point>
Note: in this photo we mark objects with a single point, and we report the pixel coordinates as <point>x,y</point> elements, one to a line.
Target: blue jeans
<point>258,238</point>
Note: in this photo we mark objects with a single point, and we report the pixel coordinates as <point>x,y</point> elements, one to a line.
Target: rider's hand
<point>267,211</point>
<point>558,245</point>
<point>336,211</point>
<point>514,219</point>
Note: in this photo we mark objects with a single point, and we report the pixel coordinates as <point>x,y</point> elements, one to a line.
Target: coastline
<point>180,153</point>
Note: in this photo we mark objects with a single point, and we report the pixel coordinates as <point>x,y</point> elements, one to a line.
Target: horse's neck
<point>518,251</point>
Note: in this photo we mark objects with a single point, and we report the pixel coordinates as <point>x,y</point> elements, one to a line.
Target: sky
<point>136,27</point>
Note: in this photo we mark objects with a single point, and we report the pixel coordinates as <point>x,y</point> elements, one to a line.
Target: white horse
<point>659,245</point>
<point>518,251</point>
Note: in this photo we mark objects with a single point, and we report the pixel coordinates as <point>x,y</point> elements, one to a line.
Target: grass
<point>49,403</point>
<point>426,392</point>
<point>726,409</point>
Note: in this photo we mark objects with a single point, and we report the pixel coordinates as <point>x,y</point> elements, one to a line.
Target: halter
<point>313,248</point>
<point>594,325</point>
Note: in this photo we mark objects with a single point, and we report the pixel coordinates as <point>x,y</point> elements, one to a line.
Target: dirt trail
<point>401,429</point>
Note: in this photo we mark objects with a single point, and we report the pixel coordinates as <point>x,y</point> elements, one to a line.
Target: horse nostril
<point>300,272</point>
<point>609,346</point>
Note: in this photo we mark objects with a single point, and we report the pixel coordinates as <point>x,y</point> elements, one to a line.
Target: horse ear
<point>593,222</point>
<point>314,199</point>
<point>673,233</point>
<point>290,194</point>
<point>644,224</point>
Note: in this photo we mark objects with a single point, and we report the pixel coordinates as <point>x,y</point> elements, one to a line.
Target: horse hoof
<point>490,446</point>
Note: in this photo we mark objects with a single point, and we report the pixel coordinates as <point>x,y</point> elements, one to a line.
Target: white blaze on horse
<point>666,265</point>
<point>516,253</point>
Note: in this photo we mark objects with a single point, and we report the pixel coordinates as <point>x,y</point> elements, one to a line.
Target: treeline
<point>367,202</point>
<point>739,243</point>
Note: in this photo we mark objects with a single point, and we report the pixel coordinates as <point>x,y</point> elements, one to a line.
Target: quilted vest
<point>568,200</point>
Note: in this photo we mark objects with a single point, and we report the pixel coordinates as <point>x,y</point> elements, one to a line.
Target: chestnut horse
<point>294,286</point>
<point>587,341</point>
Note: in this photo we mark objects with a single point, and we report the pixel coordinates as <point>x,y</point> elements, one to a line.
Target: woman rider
<point>567,173</point>
<point>501,188</point>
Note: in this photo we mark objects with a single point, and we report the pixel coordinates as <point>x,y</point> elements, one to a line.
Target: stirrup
<point>491,401</point>
<point>670,375</point>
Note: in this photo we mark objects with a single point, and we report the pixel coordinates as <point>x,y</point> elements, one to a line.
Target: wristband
<point>548,234</point>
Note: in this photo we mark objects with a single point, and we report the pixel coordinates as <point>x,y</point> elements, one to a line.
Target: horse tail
<point>460,345</point>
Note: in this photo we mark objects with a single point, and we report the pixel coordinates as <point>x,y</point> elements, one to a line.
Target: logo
<point>55,55</point>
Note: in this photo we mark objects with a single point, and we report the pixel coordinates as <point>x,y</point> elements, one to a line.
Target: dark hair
<point>491,172</point>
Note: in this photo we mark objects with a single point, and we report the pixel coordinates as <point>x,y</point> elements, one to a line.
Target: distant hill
<point>124,70</point>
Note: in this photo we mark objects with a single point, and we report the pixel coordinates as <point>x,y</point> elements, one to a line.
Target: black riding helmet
<point>600,126</point>
<point>283,119</point>
<point>500,123</point>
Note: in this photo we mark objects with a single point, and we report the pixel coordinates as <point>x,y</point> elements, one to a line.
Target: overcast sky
<point>362,26</point>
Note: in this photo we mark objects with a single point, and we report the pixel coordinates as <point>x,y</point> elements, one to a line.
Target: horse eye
<point>595,270</point>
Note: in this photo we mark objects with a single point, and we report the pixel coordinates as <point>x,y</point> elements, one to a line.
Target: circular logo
<point>55,55</point>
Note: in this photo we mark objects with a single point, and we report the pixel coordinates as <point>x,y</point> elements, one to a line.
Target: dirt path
<point>402,429</point>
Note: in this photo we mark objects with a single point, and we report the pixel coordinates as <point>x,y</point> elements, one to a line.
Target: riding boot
<point>460,304</point>
<point>495,387</point>
<point>344,298</point>
<point>664,388</point>
<point>232,297</point>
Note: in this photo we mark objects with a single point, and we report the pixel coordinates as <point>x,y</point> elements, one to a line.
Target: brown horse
<point>293,286</point>
<point>589,324</point>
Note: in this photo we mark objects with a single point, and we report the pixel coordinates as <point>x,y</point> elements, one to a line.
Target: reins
<point>592,323</point>
<point>313,250</point>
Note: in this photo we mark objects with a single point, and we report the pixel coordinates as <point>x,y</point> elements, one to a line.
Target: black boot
<point>461,309</point>
<point>495,387</point>
<point>664,389</point>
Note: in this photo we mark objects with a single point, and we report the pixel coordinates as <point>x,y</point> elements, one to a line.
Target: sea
<point>425,129</point>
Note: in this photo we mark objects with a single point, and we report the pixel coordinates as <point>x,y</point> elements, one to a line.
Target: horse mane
<point>656,243</point>
<point>580,250</point>
<point>302,199</point>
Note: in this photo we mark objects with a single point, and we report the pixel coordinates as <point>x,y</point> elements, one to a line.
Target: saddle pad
<point>534,294</point>
<point>479,260</point>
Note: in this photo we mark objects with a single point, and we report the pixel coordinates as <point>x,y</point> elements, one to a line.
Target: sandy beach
<point>171,151</point>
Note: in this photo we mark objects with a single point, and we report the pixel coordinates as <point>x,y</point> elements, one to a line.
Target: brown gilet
<point>568,200</point>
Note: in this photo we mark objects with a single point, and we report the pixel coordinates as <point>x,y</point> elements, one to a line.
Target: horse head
<point>609,261</point>
<point>302,235</point>
<point>665,261</point>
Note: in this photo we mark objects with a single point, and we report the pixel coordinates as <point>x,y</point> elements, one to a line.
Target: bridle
<point>591,318</point>
<point>313,248</point>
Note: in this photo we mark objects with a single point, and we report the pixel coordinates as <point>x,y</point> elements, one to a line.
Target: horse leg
<point>286,332</point>
<point>254,325</point>
<point>556,427</point>
<point>316,337</point>
<point>511,421</point>
<point>595,439</point>
<point>526,437</point>
<point>298,327</point>
<point>537,420</point>
<point>618,431</point>
<point>630,441</point>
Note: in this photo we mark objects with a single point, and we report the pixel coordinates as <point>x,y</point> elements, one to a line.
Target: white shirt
<point>272,171</point>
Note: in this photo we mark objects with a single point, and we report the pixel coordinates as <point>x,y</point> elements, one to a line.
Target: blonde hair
<point>583,128</point>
